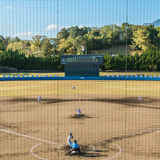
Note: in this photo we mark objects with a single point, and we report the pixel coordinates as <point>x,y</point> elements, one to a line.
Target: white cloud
<point>51,27</point>
<point>54,26</point>
<point>9,7</point>
<point>80,26</point>
<point>22,34</point>
<point>118,24</point>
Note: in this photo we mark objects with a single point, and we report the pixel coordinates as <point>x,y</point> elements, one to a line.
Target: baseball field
<point>113,124</point>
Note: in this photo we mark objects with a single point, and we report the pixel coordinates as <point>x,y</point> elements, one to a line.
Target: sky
<point>26,18</point>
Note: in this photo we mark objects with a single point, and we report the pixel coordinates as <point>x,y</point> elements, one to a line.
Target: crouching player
<point>74,147</point>
<point>79,111</point>
<point>39,98</point>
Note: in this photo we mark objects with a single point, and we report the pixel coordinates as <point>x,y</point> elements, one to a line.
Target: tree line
<point>14,59</point>
<point>68,40</point>
<point>148,60</point>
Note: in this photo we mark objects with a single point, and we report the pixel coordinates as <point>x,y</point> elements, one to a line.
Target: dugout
<point>81,65</point>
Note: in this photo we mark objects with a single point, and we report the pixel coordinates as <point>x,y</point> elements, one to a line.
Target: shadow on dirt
<point>86,151</point>
<point>128,102</point>
<point>82,116</point>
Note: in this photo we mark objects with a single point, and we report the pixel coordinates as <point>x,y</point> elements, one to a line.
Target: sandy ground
<point>116,127</point>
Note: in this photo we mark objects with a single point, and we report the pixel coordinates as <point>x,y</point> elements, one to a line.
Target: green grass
<point>92,88</point>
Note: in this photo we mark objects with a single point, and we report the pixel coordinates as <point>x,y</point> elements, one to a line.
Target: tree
<point>46,47</point>
<point>19,46</point>
<point>73,32</point>
<point>126,28</point>
<point>63,34</point>
<point>89,41</point>
<point>141,39</point>
<point>153,33</point>
<point>37,41</point>
<point>94,31</point>
<point>84,30</point>
<point>116,34</point>
<point>2,46</point>
<point>62,46</point>
<point>78,42</point>
<point>6,41</point>
<point>28,43</point>
<point>17,39</point>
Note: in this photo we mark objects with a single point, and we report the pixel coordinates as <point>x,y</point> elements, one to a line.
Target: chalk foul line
<point>3,130</point>
<point>129,136</point>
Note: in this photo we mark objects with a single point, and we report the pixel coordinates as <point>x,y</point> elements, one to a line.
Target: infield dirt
<point>110,124</point>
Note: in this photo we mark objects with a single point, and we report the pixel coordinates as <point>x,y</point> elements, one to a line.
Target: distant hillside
<point>155,23</point>
<point>121,49</point>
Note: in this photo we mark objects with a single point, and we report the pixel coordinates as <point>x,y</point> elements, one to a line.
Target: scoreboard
<point>81,65</point>
<point>97,59</point>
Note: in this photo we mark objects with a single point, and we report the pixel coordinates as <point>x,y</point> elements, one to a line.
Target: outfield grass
<point>85,87</point>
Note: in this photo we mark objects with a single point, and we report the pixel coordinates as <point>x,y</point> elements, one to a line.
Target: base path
<point>3,130</point>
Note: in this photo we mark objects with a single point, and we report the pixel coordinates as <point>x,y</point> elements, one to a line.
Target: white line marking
<point>3,130</point>
<point>93,147</point>
<point>116,154</point>
<point>28,136</point>
<point>58,148</point>
<point>36,155</point>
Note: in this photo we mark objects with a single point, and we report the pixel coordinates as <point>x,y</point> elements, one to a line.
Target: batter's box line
<point>3,130</point>
<point>36,155</point>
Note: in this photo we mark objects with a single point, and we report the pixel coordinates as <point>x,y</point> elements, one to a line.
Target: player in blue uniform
<point>140,99</point>
<point>74,147</point>
<point>79,111</point>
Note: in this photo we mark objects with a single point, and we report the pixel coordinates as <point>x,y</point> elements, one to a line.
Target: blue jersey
<point>75,145</point>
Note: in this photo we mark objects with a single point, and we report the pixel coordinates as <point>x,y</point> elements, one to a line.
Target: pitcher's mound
<point>79,117</point>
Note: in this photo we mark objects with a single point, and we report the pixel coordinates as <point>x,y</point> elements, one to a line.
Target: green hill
<point>121,49</point>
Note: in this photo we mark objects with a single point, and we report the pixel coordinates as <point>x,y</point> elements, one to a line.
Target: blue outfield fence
<point>55,77</point>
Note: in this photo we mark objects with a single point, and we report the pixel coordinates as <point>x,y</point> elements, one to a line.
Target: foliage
<point>2,46</point>
<point>148,60</point>
<point>20,46</point>
<point>38,41</point>
<point>69,40</point>
<point>46,47</point>
<point>21,62</point>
